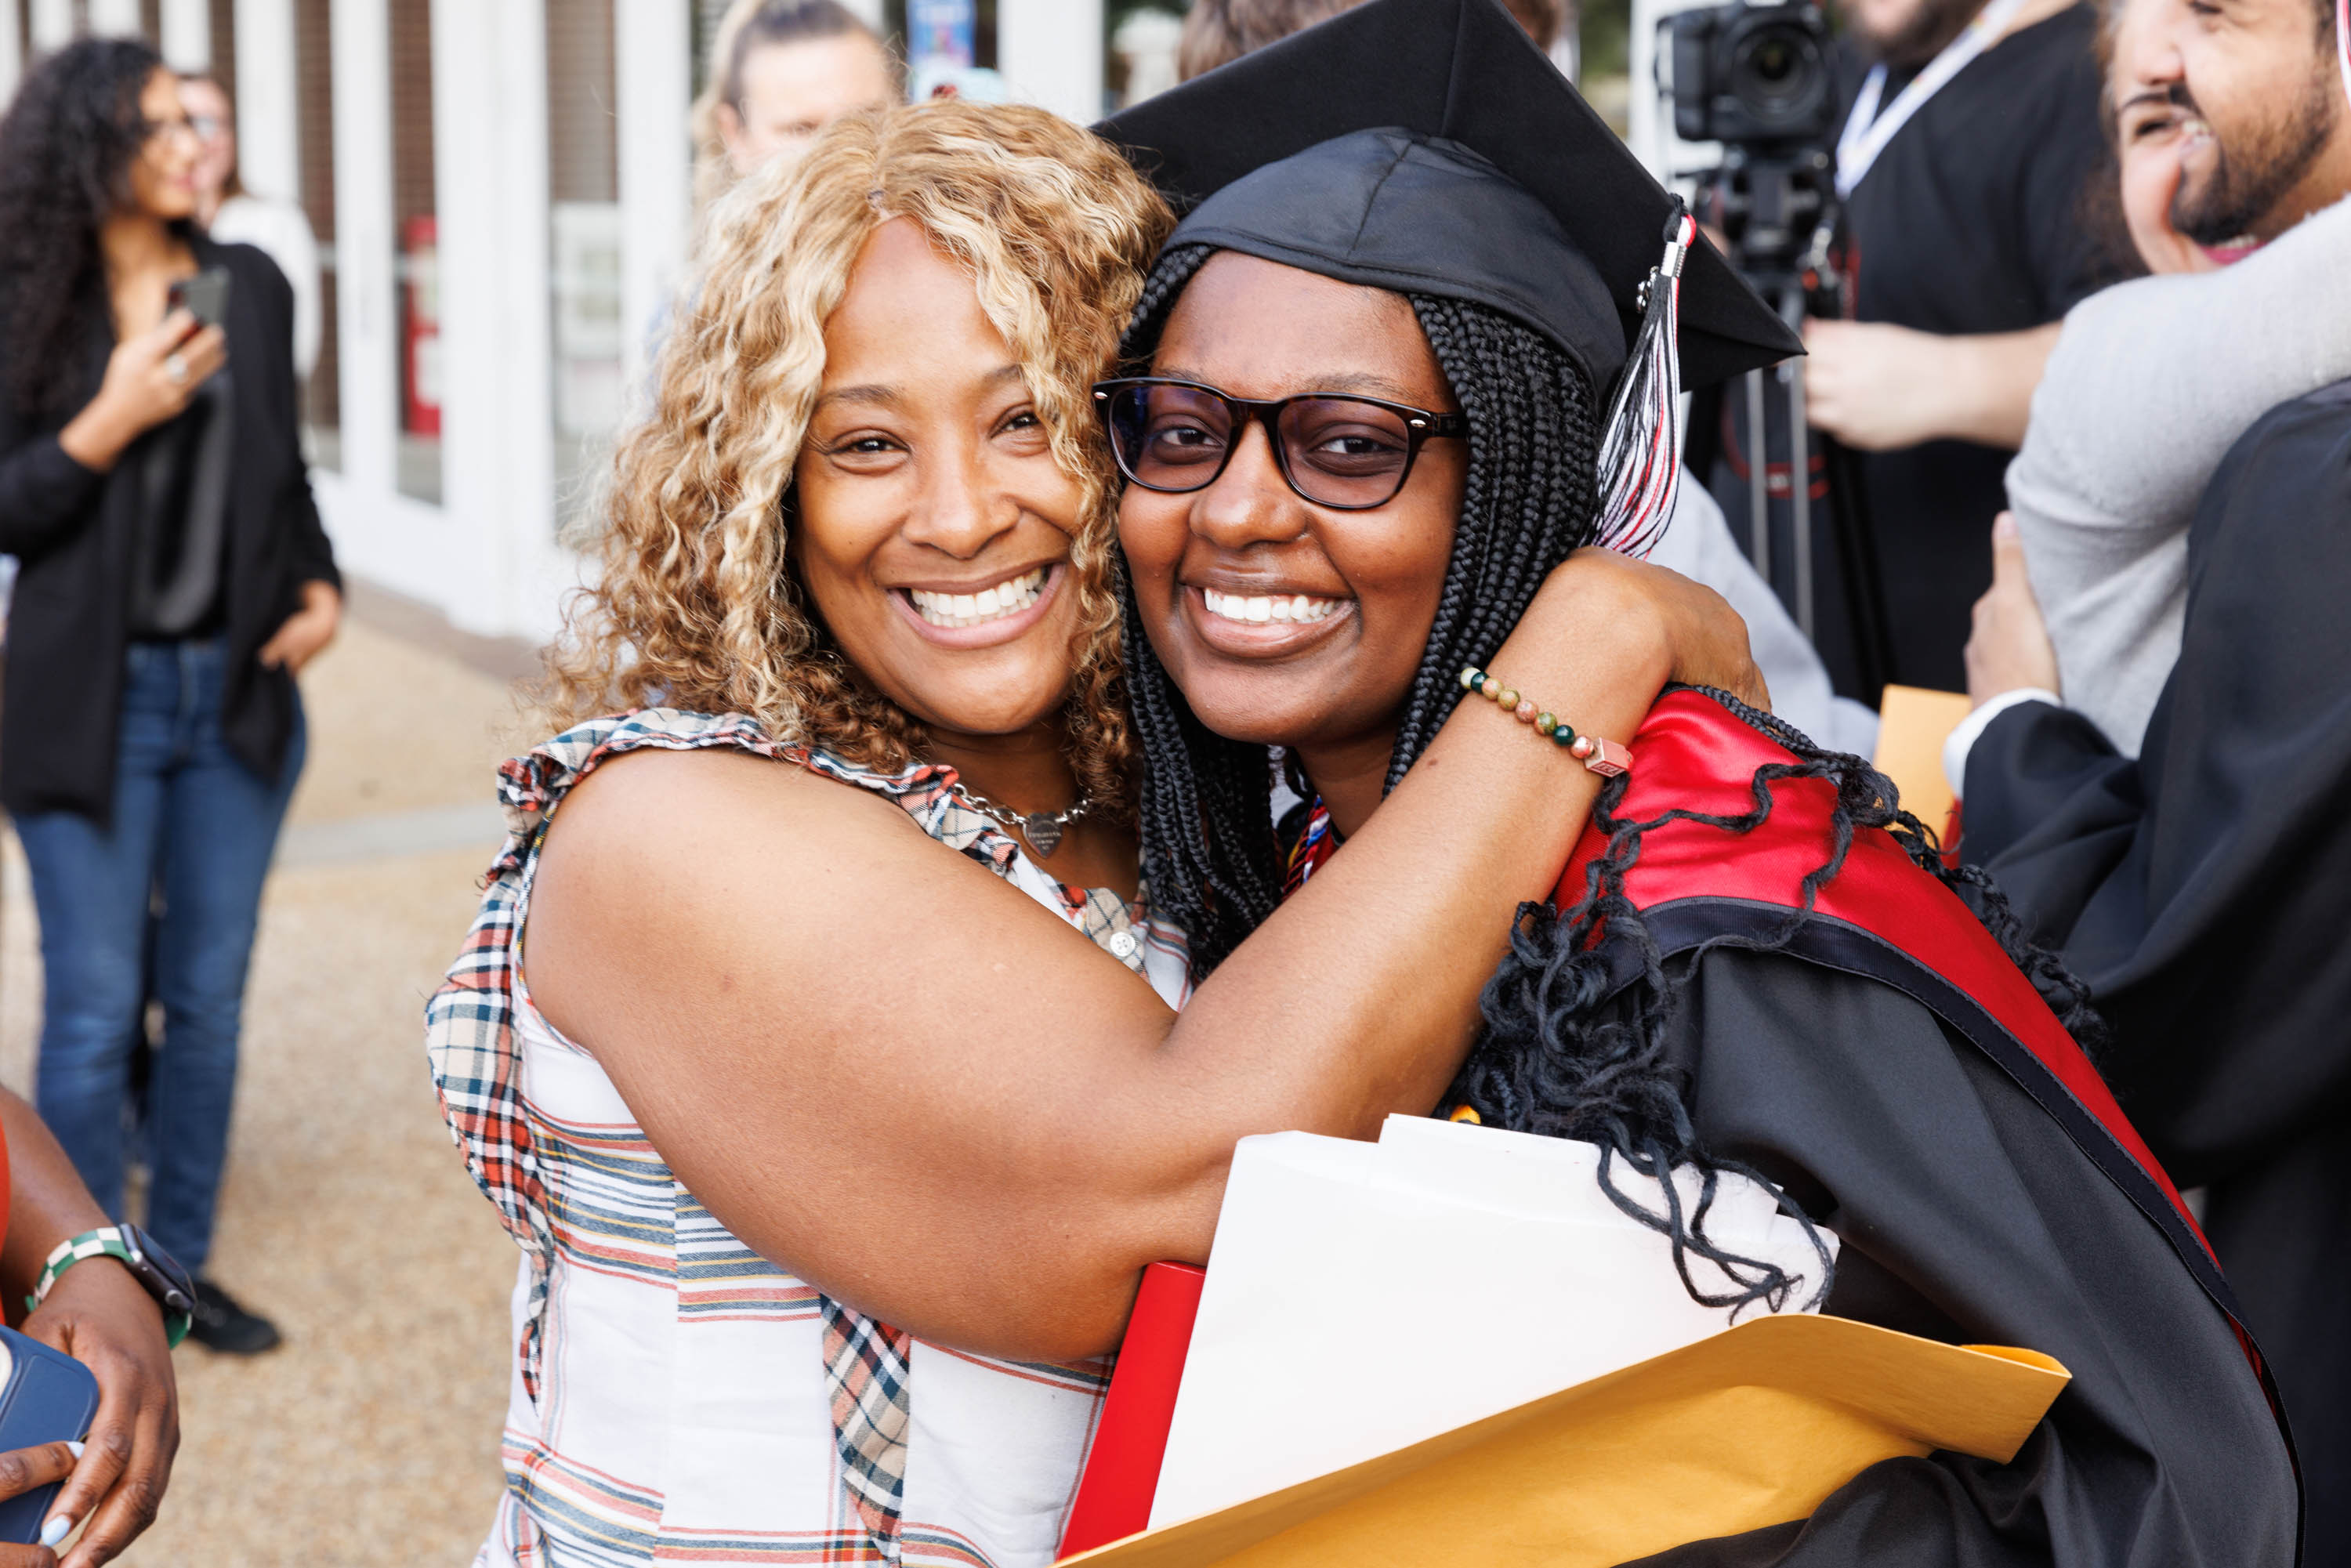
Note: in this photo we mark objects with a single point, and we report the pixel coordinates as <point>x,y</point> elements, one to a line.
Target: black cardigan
<point>71,530</point>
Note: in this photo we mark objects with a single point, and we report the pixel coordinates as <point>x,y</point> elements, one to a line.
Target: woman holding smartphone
<point>174,578</point>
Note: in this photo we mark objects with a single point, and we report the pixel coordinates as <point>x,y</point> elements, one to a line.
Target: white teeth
<point>953,610</point>
<point>1257,609</point>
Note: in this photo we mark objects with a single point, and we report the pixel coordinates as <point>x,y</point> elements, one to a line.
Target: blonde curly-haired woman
<point>845,1097</point>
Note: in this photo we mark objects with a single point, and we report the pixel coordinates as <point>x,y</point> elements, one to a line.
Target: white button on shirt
<point>1123,944</point>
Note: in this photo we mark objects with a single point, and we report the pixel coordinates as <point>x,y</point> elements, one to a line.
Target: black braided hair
<point>67,146</point>
<point>1556,1058</point>
<point>1530,497</point>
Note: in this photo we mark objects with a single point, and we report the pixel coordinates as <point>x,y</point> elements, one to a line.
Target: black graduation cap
<point>1428,146</point>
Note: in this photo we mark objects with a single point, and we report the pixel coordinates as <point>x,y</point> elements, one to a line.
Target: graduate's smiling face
<point>1285,623</point>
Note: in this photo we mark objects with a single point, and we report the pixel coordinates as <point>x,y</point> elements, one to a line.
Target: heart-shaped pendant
<point>1043,832</point>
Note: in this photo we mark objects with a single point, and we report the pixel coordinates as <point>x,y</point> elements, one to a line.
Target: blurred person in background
<point>780,71</point>
<point>1218,31</point>
<point>1969,155</point>
<point>2198,886</point>
<point>116,1315</point>
<point>2153,380</point>
<point>174,578</point>
<point>2152,136</point>
<point>235,216</point>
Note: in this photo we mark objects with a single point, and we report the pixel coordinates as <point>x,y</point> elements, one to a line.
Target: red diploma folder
<point>1122,1471</point>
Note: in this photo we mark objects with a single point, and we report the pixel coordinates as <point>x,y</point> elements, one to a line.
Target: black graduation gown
<point>1977,1197</point>
<point>2201,891</point>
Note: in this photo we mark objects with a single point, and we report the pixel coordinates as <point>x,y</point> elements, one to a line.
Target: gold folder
<point>1912,725</point>
<point>1751,1428</point>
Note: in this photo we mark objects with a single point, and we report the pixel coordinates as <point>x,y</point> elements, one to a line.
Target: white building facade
<point>501,191</point>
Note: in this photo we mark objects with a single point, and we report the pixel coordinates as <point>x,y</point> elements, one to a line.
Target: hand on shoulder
<point>1655,624</point>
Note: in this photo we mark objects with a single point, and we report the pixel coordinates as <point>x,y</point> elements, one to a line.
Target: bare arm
<point>900,1078</point>
<point>1877,387</point>
<point>103,1317</point>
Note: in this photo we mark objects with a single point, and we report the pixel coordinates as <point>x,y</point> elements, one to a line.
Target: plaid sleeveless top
<point>675,1396</point>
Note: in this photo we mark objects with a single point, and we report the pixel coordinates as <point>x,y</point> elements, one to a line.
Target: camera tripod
<point>1780,212</point>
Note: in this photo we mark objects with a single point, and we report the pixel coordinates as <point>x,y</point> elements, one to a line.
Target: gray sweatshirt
<point>2151,383</point>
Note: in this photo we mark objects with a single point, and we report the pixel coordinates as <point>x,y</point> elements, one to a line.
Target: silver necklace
<point>1042,828</point>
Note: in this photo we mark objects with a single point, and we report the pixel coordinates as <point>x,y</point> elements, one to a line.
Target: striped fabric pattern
<point>675,1396</point>
<point>1317,843</point>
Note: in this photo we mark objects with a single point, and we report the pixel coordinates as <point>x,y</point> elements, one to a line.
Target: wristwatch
<point>155,1269</point>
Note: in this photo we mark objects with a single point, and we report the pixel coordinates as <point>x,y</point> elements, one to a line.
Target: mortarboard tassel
<point>1640,446</point>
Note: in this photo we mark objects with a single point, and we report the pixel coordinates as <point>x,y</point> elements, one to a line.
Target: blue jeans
<point>193,834</point>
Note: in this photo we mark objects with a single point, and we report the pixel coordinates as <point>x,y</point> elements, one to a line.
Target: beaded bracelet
<point>1605,758</point>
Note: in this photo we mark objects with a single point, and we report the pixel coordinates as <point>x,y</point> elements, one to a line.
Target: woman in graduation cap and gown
<point>1756,962</point>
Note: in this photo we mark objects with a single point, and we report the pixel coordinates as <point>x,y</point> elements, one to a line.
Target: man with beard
<point>2199,889</point>
<point>1971,141</point>
<point>2258,80</point>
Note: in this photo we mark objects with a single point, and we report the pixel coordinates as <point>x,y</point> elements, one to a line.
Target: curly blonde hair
<point>696,603</point>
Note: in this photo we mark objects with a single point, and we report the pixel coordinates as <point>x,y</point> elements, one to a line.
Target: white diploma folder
<point>1363,1297</point>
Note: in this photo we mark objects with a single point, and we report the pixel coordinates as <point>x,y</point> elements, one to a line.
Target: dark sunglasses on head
<point>1346,452</point>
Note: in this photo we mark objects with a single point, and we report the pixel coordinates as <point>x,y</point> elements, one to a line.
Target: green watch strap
<point>104,1242</point>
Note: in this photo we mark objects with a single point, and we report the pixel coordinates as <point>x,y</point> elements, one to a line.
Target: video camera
<point>1753,75</point>
<point>1760,80</point>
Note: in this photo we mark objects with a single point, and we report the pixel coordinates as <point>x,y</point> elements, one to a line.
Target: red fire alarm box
<point>419,319</point>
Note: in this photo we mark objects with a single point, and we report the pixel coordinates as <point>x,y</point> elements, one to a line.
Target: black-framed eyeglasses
<point>1346,452</point>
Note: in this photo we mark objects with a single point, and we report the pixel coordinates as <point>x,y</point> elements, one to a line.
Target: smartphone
<point>45,1396</point>
<point>205,297</point>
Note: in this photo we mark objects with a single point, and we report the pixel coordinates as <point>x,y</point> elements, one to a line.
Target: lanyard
<point>1867,132</point>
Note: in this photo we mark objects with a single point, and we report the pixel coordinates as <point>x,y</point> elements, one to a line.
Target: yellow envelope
<point>1912,725</point>
<point>1751,1428</point>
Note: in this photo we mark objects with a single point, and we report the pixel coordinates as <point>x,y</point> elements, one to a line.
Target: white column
<point>866,10</point>
<point>187,41</point>
<point>53,24</point>
<point>497,439</point>
<point>12,50</point>
<point>268,102</point>
<point>366,322</point>
<point>653,70</point>
<point>1051,52</point>
<point>114,18</point>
